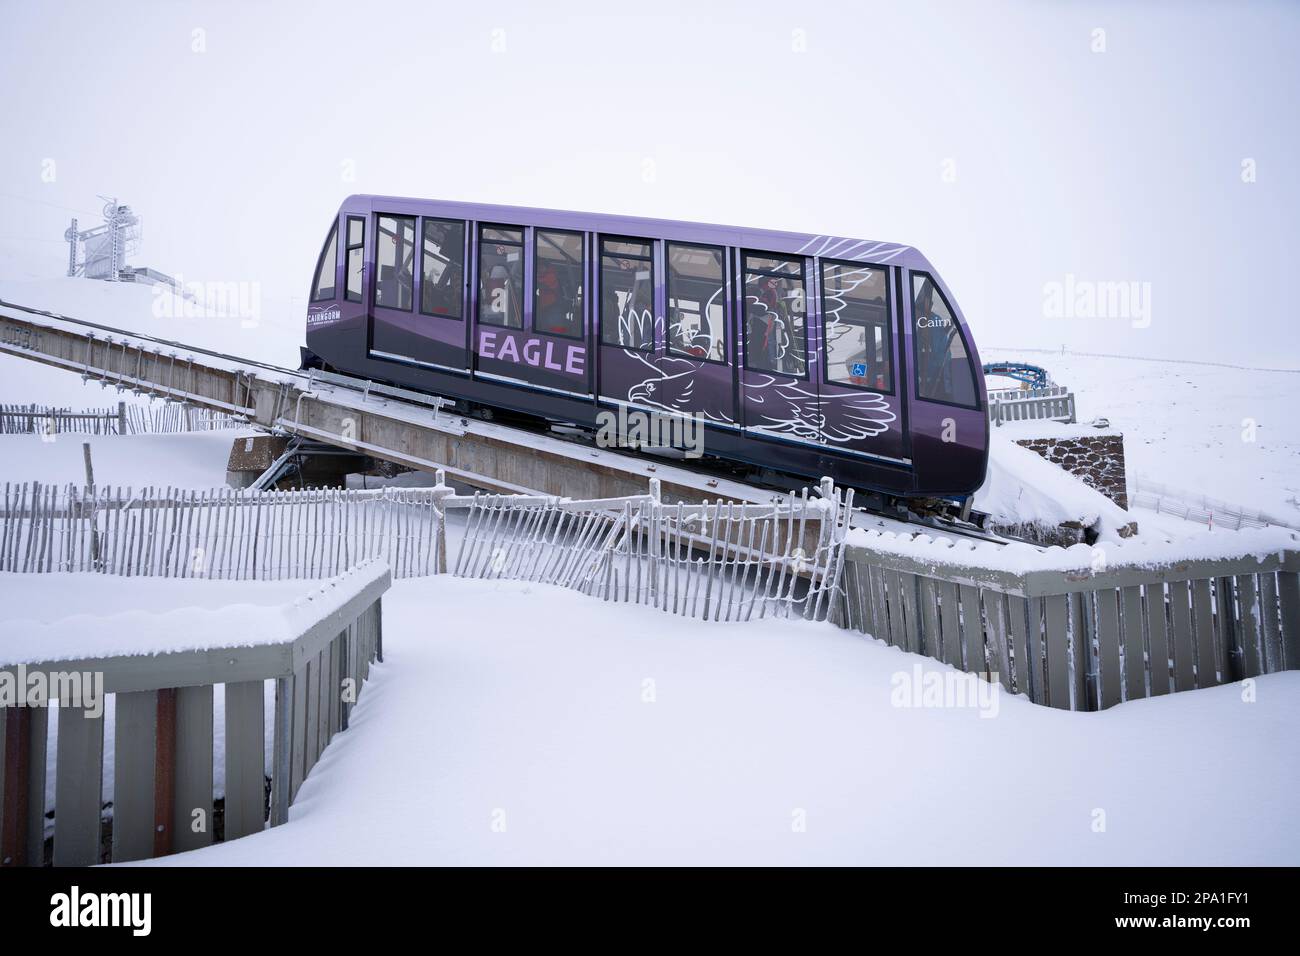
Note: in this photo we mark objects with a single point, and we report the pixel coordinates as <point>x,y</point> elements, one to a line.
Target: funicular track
<point>394,424</point>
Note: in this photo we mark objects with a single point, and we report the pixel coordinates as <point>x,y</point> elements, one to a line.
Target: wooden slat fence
<point>165,742</point>
<point>1083,640</point>
<point>1053,403</point>
<point>1071,639</point>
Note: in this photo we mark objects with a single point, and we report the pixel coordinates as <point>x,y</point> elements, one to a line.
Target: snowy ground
<point>151,310</point>
<point>1229,433</point>
<point>604,734</point>
<point>510,723</point>
<point>187,460</point>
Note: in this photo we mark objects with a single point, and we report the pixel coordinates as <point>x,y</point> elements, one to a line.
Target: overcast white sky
<point>991,136</point>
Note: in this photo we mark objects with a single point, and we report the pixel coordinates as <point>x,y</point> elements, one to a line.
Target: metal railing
<point>1201,509</point>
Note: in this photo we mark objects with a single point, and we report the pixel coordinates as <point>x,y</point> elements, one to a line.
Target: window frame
<point>889,327</point>
<point>523,274</point>
<point>347,256</point>
<point>726,303</point>
<point>653,349</point>
<point>961,333</point>
<point>415,234</point>
<point>464,273</point>
<point>330,239</point>
<point>582,264</point>
<point>745,272</point>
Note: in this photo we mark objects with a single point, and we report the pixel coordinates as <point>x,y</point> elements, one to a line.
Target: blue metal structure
<point>1032,375</point>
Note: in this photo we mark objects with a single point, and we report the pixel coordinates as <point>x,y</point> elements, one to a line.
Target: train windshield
<point>323,287</point>
<point>943,366</point>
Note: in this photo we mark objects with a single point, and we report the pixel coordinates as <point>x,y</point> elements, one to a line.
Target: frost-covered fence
<point>1200,509</point>
<point>714,561</point>
<point>1052,403</point>
<point>1082,629</point>
<point>318,652</point>
<point>164,418</point>
<point>173,417</point>
<point>46,420</point>
<point>221,533</point>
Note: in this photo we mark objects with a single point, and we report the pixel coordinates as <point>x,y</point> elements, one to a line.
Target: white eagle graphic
<point>786,405</point>
<point>669,386</point>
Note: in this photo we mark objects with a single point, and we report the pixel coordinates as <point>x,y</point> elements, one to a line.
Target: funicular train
<point>801,355</point>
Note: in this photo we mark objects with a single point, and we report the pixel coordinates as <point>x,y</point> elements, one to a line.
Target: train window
<point>696,302</point>
<point>557,307</point>
<point>943,367</point>
<point>775,316</point>
<point>779,266</point>
<point>501,276</point>
<point>855,310</point>
<point>327,268</point>
<point>627,294</point>
<point>356,257</point>
<point>442,267</point>
<point>395,263</point>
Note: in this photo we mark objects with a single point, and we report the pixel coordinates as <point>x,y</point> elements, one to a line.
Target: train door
<point>356,295</point>
<point>947,422</point>
<point>529,327</point>
<point>630,340</point>
<point>862,408</point>
<point>778,395</point>
<point>699,350</point>
<point>665,351</point>
<point>418,296</point>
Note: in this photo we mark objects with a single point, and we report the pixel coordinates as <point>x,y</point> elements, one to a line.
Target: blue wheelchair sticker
<point>858,369</point>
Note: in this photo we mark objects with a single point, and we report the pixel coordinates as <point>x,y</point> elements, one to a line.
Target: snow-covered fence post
<point>165,742</point>
<point>656,530</point>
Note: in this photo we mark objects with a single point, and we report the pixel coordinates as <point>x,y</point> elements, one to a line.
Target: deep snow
<point>1022,487</point>
<point>499,696</point>
<point>1231,433</point>
<point>509,724</point>
<point>185,460</point>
